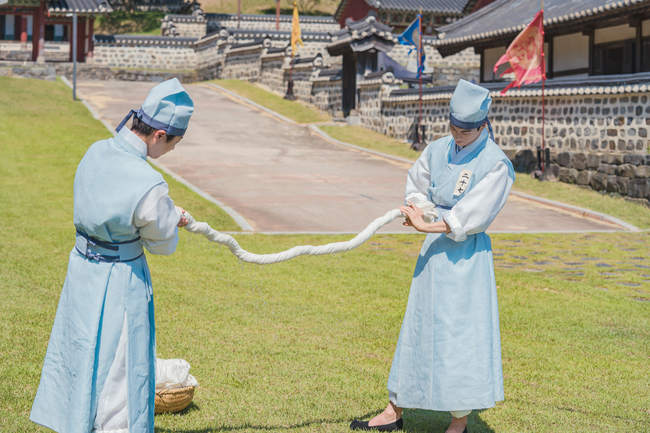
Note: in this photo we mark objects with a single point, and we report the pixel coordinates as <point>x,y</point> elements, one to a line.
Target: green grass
<point>132,23</point>
<point>306,345</point>
<point>324,7</point>
<point>632,213</point>
<point>363,137</point>
<point>294,110</point>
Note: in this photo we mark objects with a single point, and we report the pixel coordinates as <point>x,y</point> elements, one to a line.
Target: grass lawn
<point>321,7</point>
<point>292,109</point>
<point>306,345</point>
<point>132,23</point>
<point>363,137</point>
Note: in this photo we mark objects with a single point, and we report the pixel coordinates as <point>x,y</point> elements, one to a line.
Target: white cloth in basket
<point>173,373</point>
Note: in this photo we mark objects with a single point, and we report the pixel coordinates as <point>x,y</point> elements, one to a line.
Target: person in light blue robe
<point>99,368</point>
<point>448,356</point>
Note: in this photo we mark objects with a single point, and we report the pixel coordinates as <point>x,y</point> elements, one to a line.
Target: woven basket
<point>173,400</point>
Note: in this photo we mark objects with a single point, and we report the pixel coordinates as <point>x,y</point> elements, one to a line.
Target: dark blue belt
<point>111,252</point>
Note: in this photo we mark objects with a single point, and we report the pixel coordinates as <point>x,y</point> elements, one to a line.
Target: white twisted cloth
<point>267,259</point>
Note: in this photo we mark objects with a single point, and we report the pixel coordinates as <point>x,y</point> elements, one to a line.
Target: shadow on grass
<point>415,421</point>
<point>264,427</point>
<point>426,421</point>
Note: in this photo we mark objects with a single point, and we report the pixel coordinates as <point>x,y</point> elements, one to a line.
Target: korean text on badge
<point>462,183</point>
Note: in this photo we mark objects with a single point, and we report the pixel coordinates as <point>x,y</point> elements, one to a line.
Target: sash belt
<point>111,252</point>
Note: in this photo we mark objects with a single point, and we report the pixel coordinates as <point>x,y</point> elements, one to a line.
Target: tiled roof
<point>85,7</point>
<point>142,40</point>
<point>440,6</point>
<point>268,17</point>
<point>506,18</point>
<point>597,85</point>
<point>278,34</point>
<point>362,35</point>
<point>436,6</point>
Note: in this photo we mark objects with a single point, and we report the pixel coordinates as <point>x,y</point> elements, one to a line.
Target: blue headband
<point>140,114</point>
<point>471,125</point>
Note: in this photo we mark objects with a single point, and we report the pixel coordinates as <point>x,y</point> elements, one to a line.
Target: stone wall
<point>272,74</point>
<point>190,29</point>
<point>210,53</point>
<point>266,22</point>
<point>612,173</point>
<point>164,55</point>
<point>326,95</point>
<point>242,65</point>
<point>612,124</point>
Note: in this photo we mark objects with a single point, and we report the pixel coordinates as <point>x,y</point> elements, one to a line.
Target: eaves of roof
<point>504,19</point>
<point>81,7</point>
<point>604,85</point>
<point>453,7</point>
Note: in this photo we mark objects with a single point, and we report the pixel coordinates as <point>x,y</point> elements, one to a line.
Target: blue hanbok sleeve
<point>475,212</point>
<point>157,218</point>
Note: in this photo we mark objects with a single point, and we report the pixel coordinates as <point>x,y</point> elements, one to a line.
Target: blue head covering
<point>168,107</point>
<point>469,106</point>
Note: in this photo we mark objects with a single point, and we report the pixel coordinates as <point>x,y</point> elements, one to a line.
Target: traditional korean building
<point>400,13</point>
<point>27,25</point>
<point>582,37</point>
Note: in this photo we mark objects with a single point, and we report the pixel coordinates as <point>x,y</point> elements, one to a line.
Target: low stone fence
<point>617,174</point>
<point>145,52</point>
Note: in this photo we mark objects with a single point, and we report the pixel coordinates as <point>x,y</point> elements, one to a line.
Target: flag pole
<point>544,158</point>
<point>420,71</point>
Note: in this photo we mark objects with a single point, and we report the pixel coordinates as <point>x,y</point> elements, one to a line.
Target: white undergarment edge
<point>112,407</point>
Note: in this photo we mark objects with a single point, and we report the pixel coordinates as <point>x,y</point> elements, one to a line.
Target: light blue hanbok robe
<point>448,357</point>
<point>110,181</point>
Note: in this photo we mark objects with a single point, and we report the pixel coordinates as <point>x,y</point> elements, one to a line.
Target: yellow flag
<point>296,37</point>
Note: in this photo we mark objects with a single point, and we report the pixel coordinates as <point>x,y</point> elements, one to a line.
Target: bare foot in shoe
<point>457,425</point>
<point>391,414</point>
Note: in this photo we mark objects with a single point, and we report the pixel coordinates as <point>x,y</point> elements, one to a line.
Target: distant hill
<point>326,7</point>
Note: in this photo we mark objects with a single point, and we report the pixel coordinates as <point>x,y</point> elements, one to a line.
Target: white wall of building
<point>613,34</point>
<point>570,52</point>
<point>645,28</point>
<point>491,57</point>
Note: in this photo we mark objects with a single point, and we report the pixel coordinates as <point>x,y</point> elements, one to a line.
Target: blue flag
<point>412,36</point>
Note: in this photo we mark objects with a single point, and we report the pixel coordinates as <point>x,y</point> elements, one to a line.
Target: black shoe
<point>363,425</point>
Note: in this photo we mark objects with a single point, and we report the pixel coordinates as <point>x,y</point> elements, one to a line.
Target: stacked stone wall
<point>209,59</point>
<point>609,173</point>
<point>190,29</point>
<point>243,65</point>
<point>370,106</point>
<point>272,75</point>
<point>230,22</point>
<point>302,86</point>
<point>326,95</point>
<point>172,57</point>
<point>612,124</point>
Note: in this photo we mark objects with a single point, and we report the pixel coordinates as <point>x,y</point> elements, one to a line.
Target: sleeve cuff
<point>457,232</point>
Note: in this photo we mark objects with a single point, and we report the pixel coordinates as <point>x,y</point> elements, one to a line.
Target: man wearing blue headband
<point>448,356</point>
<point>99,369</point>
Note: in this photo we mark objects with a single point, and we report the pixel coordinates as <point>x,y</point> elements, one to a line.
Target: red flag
<point>525,55</point>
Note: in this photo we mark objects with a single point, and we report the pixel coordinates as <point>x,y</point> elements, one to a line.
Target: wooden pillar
<point>38,37</point>
<point>481,72</point>
<point>549,71</point>
<point>638,46</point>
<point>68,28</point>
<point>590,32</point>
<point>81,38</point>
<point>349,83</point>
<point>90,52</point>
